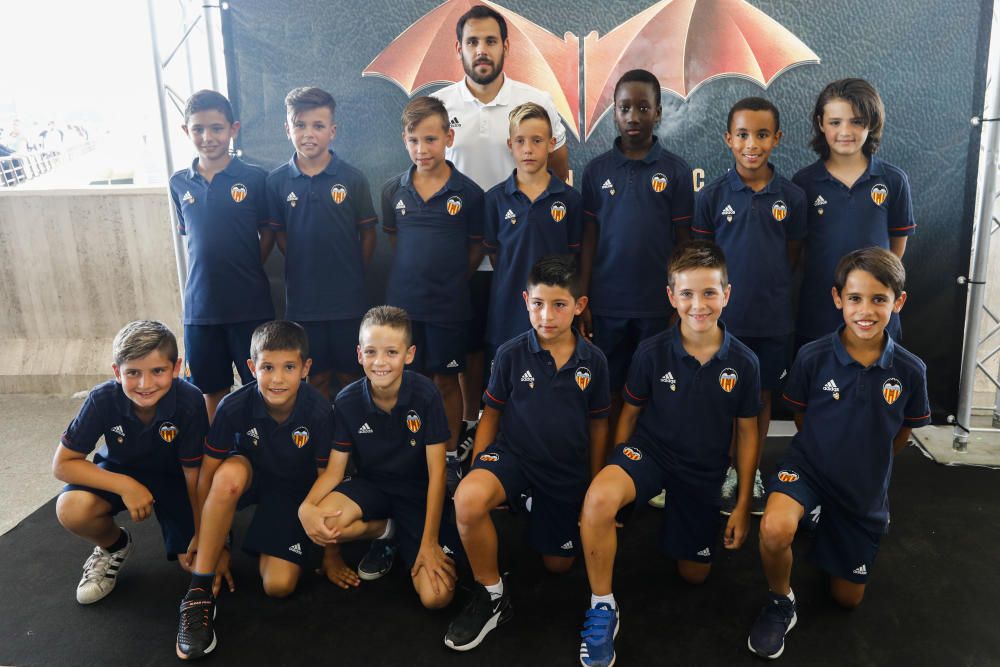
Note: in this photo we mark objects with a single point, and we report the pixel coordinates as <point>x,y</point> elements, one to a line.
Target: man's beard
<point>485,79</point>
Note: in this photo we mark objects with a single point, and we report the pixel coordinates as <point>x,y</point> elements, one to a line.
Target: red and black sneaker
<point>195,630</point>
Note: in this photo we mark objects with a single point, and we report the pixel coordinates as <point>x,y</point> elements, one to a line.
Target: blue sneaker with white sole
<point>776,619</point>
<point>600,627</point>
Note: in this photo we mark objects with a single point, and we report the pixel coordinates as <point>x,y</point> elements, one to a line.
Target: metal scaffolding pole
<point>179,254</point>
<point>208,11</point>
<point>979,268</point>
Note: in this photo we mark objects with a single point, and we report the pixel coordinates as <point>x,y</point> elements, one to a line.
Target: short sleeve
<point>702,225</point>
<point>796,394</point>
<point>574,226</point>
<point>86,428</point>
<point>221,441</point>
<point>474,218</point>
<point>591,195</point>
<point>263,212</point>
<point>918,408</point>
<point>343,437</point>
<point>599,404</point>
<point>637,384</point>
<point>181,225</point>
<point>388,210</point>
<point>363,210</point>
<point>682,202</point>
<point>797,222</point>
<point>750,404</point>
<point>901,221</point>
<point>491,224</point>
<point>558,129</point>
<point>323,432</point>
<point>192,445</point>
<point>498,389</point>
<point>275,204</point>
<point>437,423</point>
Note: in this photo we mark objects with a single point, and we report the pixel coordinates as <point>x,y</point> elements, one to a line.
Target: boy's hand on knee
<point>736,528</point>
<point>138,500</point>
<point>316,522</point>
<point>439,567</point>
<point>222,572</point>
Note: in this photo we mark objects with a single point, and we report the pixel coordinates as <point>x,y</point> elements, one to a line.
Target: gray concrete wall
<point>75,266</point>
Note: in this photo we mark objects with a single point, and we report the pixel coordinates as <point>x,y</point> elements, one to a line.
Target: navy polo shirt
<point>226,282</point>
<point>390,448</point>
<point>430,266</point>
<point>852,414</point>
<point>686,424</point>
<point>547,412</point>
<point>842,219</point>
<point>635,204</point>
<point>519,232</point>
<point>753,229</point>
<point>322,215</point>
<point>174,438</point>
<point>288,453</point>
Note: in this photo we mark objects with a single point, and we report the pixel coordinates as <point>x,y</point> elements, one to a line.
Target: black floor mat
<point>934,599</point>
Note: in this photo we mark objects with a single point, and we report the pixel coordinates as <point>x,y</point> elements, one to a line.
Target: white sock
<point>791,595</point>
<point>451,455</point>
<point>496,590</point>
<point>389,532</point>
<point>607,599</point>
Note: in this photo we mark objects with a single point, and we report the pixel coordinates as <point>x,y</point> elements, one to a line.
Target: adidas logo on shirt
<point>118,430</point>
<point>668,378</point>
<point>861,569</point>
<point>527,377</point>
<point>510,216</point>
<point>705,552</point>
<point>452,364</point>
<point>607,185</point>
<point>784,372</point>
<point>728,210</point>
<point>296,549</point>
<point>400,206</point>
<point>446,550</point>
<point>819,201</point>
<point>567,546</point>
<point>454,122</point>
<point>291,197</point>
<point>365,429</point>
<point>831,386</point>
<point>187,198</point>
<point>252,433</point>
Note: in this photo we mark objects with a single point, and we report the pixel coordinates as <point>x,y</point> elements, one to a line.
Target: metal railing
<point>22,167</point>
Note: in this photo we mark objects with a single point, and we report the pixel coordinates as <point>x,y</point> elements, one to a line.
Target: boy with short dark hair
<point>153,427</point>
<point>528,216</point>
<point>393,422</point>
<point>221,206</point>
<point>322,208</point>
<point>547,400</point>
<point>857,395</point>
<point>267,441</point>
<point>688,387</point>
<point>433,215</point>
<point>758,218</point>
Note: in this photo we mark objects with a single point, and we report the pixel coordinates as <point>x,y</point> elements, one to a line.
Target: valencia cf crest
<point>891,389</point>
<point>659,182</point>
<point>339,193</point>
<point>558,211</point>
<point>582,377</point>
<point>879,194</point>
<point>632,453</point>
<point>454,205</point>
<point>300,436</point>
<point>413,421</point>
<point>489,458</point>
<point>779,210</point>
<point>727,379</point>
<point>788,476</point>
<point>168,432</point>
<point>238,192</point>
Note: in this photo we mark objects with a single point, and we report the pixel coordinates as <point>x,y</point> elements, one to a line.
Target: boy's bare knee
<point>431,600</point>
<point>777,532</point>
<point>599,506</point>
<point>282,586</point>
<point>75,508</point>
<point>693,573</point>
<point>557,564</point>
<point>847,595</point>
<point>471,502</point>
<point>228,483</point>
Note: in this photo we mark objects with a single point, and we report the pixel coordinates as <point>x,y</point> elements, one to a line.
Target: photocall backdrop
<point>929,65</point>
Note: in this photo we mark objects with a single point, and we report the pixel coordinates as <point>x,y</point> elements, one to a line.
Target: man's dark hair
<point>556,271</point>
<point>754,104</point>
<point>640,76</point>
<point>279,335</point>
<point>864,100</point>
<point>697,254</point>
<point>307,98</point>
<point>208,100</point>
<point>882,264</point>
<point>481,12</point>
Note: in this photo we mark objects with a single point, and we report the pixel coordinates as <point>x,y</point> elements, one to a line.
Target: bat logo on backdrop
<point>685,44</point>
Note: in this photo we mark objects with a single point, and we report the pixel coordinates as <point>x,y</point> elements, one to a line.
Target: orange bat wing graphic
<point>424,55</point>
<point>686,43</point>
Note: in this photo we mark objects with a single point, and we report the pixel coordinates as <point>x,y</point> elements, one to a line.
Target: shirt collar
<point>736,183</point>
<point>582,350</point>
<point>165,408</point>
<point>845,359</point>
<point>678,345</point>
<point>654,153</point>
<point>556,185</point>
<point>259,408</point>
<point>402,398</point>
<point>502,98</point>
<point>875,168</point>
<point>453,184</point>
<point>330,169</point>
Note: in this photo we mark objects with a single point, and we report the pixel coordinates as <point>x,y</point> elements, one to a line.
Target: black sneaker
<point>776,619</point>
<point>378,561</point>
<point>466,439</point>
<point>195,630</point>
<point>479,617</point>
<point>759,499</point>
<point>453,474</point>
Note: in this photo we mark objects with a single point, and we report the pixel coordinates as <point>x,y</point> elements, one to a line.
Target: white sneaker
<point>100,572</point>
<point>728,492</point>
<point>659,501</point>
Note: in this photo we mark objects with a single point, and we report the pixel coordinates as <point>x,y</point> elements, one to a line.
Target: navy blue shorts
<point>618,337</point>
<point>376,502</point>
<point>691,522</point>
<point>172,507</point>
<point>333,345</point>
<point>553,523</point>
<point>842,545</point>
<point>275,529</point>
<point>211,351</point>
<point>441,347</point>
<point>772,354</point>
<point>479,293</point>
